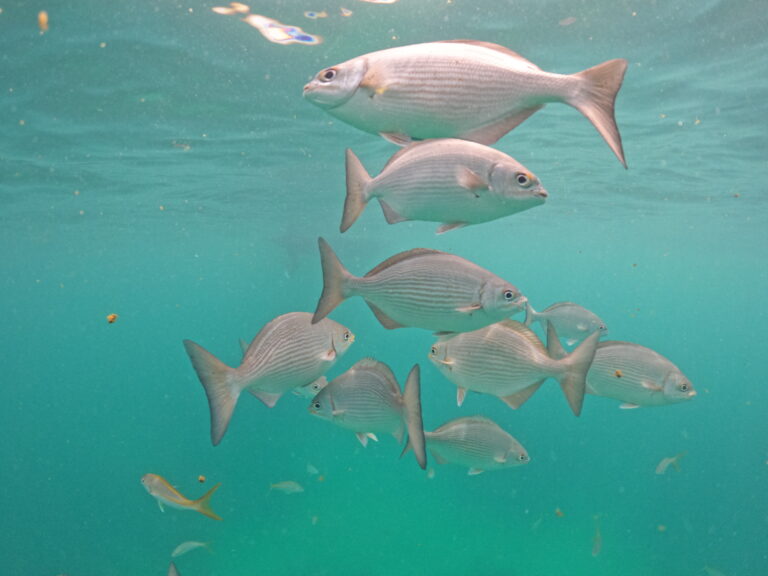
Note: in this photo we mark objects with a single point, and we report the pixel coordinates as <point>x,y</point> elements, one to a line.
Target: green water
<point>157,161</point>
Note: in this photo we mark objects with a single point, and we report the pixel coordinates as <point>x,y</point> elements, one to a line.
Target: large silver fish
<point>464,89</point>
<point>509,361</point>
<point>288,352</point>
<point>572,322</point>
<point>637,376</point>
<point>423,289</point>
<point>446,180</point>
<point>367,400</point>
<point>477,443</point>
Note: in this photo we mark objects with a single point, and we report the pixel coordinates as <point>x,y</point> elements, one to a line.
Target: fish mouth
<point>543,194</point>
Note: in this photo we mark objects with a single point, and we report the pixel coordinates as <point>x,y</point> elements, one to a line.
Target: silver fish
<point>288,352</point>
<point>366,399</point>
<point>455,182</point>
<point>423,289</point>
<point>572,322</point>
<point>287,487</point>
<point>509,361</point>
<point>637,376</point>
<point>464,89</point>
<point>172,570</point>
<point>185,547</point>
<point>477,443</point>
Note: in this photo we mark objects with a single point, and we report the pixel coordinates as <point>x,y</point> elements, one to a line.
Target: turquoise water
<point>157,161</point>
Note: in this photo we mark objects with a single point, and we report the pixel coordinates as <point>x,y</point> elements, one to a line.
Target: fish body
<point>165,494</point>
<point>637,376</point>
<point>662,466</point>
<point>289,352</point>
<point>287,487</point>
<point>185,547</point>
<point>423,289</point>
<point>367,400</point>
<point>476,443</point>
<point>572,322</point>
<point>455,182</point>
<point>508,360</point>
<point>464,89</point>
<point>172,570</point>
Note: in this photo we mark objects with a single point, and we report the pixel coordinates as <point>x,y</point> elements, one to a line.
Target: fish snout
<point>541,193</point>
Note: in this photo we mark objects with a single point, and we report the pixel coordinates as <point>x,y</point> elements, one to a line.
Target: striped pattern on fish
<point>636,375</point>
<point>507,360</point>
<point>455,182</point>
<point>367,400</point>
<point>477,443</point>
<point>421,288</point>
<point>460,89</point>
<point>289,352</point>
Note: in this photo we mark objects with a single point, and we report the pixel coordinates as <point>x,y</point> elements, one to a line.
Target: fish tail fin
<point>597,98</point>
<point>413,418</point>
<point>530,314</point>
<point>203,504</point>
<point>335,277</point>
<point>573,380</point>
<point>220,384</point>
<point>357,197</point>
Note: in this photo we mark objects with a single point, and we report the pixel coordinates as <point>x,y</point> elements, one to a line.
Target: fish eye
<point>315,386</point>
<point>433,350</point>
<point>683,387</point>
<point>347,336</point>
<point>523,457</point>
<point>327,75</point>
<point>509,295</point>
<point>523,179</point>
<point>316,405</point>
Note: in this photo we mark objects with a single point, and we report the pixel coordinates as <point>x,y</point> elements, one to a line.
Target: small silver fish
<point>455,182</point>
<point>290,351</point>
<point>366,399</point>
<point>423,289</point>
<point>464,89</point>
<point>185,547</point>
<point>287,487</point>
<point>172,570</point>
<point>509,361</point>
<point>572,322</point>
<point>637,376</point>
<point>477,443</point>
<point>665,463</point>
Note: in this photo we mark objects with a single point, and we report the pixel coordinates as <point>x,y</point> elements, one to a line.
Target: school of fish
<point>445,103</point>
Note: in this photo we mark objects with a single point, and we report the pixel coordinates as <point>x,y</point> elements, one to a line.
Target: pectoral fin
<point>628,406</point>
<point>460,394</point>
<point>471,180</point>
<point>448,226</point>
<point>329,355</point>
<point>500,459</point>
<point>469,309</point>
<point>269,398</point>
<point>475,471</point>
<point>396,138</point>
<point>651,386</point>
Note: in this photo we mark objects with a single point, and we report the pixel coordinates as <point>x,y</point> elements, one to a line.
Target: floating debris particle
<point>287,487</point>
<point>346,13</point>
<point>559,513</point>
<point>201,479</point>
<point>379,1</point>
<point>618,374</point>
<point>665,463</point>
<point>315,15</point>
<point>42,21</point>
<point>567,21</point>
<point>112,318</point>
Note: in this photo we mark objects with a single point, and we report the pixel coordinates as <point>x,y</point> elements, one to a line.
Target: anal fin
<point>390,214</point>
<point>517,399</point>
<point>385,320</point>
<point>492,132</point>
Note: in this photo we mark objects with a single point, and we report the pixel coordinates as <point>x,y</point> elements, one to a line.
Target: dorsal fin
<point>383,370</point>
<point>496,47</point>
<point>402,257</point>
<point>525,332</point>
<point>403,151</point>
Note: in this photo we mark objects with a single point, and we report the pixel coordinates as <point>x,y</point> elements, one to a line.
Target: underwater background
<point>158,162</point>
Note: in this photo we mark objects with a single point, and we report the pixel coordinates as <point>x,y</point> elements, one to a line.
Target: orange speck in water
<point>201,478</point>
<point>559,513</point>
<point>618,374</point>
<point>111,318</point>
<point>321,478</point>
<point>42,21</point>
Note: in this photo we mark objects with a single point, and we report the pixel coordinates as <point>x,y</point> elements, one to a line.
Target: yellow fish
<point>159,488</point>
